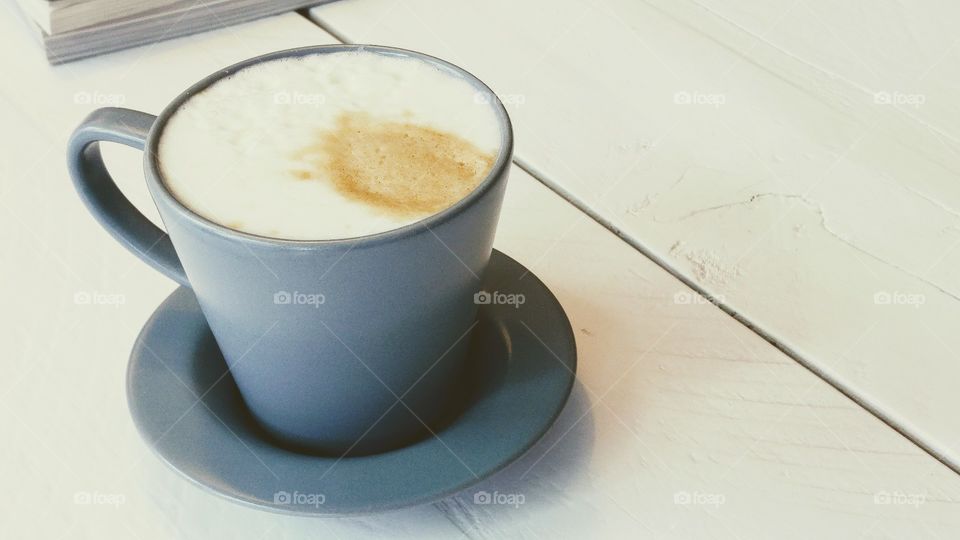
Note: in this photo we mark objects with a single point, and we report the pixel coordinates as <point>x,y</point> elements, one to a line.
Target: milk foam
<point>235,152</point>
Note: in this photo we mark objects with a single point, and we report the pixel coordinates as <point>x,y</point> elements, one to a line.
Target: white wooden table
<point>797,160</point>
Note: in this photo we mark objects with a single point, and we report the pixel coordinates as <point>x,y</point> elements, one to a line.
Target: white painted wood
<point>744,148</point>
<point>683,425</point>
<point>853,56</point>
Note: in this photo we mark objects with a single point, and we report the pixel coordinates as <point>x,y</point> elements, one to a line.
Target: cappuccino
<point>329,146</point>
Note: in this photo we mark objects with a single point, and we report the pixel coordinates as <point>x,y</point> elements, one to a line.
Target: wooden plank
<point>827,219</point>
<point>891,66</point>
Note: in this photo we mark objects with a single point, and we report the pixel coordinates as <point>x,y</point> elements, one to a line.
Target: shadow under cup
<point>338,347</point>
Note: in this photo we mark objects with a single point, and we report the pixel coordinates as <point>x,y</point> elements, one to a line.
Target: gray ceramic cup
<point>349,346</point>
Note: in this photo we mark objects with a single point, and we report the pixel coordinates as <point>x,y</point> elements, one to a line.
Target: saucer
<point>189,411</point>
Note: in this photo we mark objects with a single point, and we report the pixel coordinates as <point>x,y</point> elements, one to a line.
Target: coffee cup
<point>339,346</point>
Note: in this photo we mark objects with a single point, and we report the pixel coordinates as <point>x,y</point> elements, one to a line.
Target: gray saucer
<point>187,407</point>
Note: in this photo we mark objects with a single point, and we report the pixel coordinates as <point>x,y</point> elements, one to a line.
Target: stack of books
<point>74,29</point>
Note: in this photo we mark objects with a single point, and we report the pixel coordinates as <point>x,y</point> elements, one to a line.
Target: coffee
<point>329,146</point>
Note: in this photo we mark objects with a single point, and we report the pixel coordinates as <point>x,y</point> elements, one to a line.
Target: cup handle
<point>102,196</point>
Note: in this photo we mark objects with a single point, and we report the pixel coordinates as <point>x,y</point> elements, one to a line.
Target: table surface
<point>796,160</point>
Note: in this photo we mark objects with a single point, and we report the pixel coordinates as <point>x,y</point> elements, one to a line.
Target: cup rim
<point>497,172</point>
